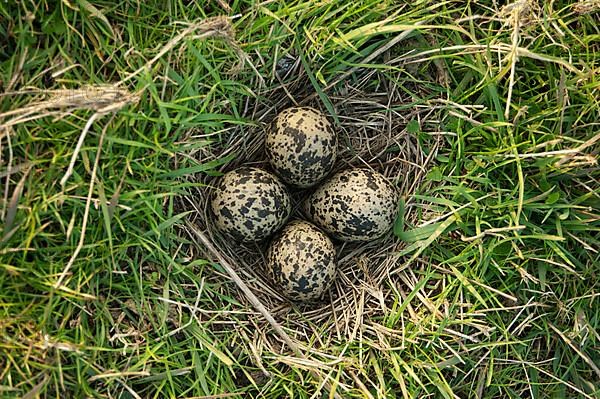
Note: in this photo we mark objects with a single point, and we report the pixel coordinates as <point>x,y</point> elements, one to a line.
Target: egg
<point>250,204</point>
<point>301,146</point>
<point>354,205</point>
<point>302,261</point>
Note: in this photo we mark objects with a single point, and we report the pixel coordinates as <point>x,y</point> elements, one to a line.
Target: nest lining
<point>372,133</point>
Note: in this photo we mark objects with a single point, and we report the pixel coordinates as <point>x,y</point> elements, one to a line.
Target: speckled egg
<point>354,205</point>
<point>250,204</point>
<point>301,261</point>
<point>301,146</point>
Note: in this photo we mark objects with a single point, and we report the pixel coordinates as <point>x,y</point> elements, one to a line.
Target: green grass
<point>498,297</point>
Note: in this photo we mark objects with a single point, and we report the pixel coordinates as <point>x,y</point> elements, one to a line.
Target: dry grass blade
<point>88,202</point>
<point>82,136</point>
<point>35,391</point>
<point>224,5</point>
<point>515,12</point>
<point>110,375</point>
<point>587,6</point>
<point>575,347</point>
<point>579,150</point>
<point>100,98</point>
<point>8,171</point>
<point>12,206</point>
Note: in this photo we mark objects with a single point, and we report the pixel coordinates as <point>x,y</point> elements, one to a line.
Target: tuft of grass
<point>486,116</point>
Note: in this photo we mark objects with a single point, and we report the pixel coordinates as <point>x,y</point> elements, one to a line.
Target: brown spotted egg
<point>301,261</point>
<point>301,146</point>
<point>250,204</point>
<point>354,205</point>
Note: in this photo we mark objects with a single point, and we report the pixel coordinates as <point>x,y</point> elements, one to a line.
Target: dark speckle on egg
<point>250,204</point>
<point>302,261</point>
<point>354,205</point>
<point>301,146</point>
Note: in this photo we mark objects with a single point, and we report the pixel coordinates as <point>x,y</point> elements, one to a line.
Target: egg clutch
<point>251,204</point>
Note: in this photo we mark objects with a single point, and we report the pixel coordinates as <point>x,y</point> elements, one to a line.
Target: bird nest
<point>379,127</point>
